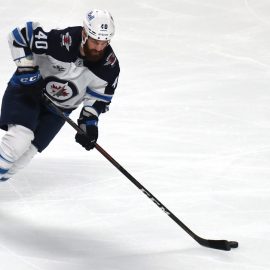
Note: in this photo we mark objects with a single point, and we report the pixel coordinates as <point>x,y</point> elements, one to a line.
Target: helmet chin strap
<point>84,39</point>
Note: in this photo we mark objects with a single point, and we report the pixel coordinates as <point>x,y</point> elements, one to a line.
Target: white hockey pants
<point>16,150</point>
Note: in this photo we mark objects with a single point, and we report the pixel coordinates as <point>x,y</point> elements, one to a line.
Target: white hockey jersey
<point>70,79</point>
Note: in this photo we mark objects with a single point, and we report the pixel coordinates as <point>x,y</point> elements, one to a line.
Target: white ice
<point>190,120</point>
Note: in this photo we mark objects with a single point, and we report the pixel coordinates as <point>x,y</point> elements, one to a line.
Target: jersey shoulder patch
<point>64,44</point>
<point>107,68</point>
<point>110,60</point>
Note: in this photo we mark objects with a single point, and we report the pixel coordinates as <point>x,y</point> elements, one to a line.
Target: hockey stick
<point>216,244</point>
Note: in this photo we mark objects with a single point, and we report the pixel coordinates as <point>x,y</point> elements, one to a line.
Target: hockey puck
<point>233,244</point>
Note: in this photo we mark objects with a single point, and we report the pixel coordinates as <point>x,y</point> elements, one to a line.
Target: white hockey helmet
<point>99,24</point>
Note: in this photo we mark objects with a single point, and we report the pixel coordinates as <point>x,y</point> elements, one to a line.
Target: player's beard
<point>92,54</point>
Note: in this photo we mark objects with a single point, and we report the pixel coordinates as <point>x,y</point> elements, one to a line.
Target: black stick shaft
<point>217,244</point>
<point>144,190</point>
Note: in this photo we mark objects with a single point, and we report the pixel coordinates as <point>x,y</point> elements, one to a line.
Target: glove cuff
<point>26,76</point>
<point>92,122</point>
<point>88,118</point>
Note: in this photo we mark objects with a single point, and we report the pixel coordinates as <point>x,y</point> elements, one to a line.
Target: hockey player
<point>73,66</point>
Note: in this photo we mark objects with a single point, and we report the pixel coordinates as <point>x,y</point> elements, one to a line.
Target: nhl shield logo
<point>66,41</point>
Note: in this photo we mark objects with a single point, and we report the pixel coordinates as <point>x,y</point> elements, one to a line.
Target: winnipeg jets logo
<point>110,60</point>
<point>66,40</point>
<point>60,90</point>
<point>90,16</point>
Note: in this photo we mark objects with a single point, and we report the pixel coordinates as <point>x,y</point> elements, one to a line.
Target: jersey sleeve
<point>24,41</point>
<point>98,99</point>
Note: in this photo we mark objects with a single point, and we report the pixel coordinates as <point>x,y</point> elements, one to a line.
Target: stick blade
<point>219,244</point>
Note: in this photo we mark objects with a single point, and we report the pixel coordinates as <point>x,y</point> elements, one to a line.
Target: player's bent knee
<point>16,141</point>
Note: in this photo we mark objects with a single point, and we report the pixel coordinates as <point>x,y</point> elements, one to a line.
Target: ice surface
<point>190,120</point>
